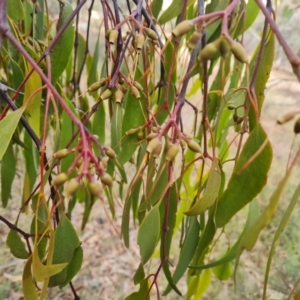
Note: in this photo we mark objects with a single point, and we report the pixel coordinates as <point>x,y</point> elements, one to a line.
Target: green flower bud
<point>70,187</point>
<point>62,153</point>
<point>239,52</point>
<point>139,41</point>
<point>106,179</point>
<point>224,47</point>
<point>154,146</point>
<point>113,36</point>
<point>194,146</point>
<point>110,152</point>
<point>172,151</point>
<point>106,94</point>
<point>95,188</point>
<point>118,96</point>
<point>151,33</point>
<point>208,52</point>
<point>59,179</point>
<point>182,28</point>
<point>135,92</point>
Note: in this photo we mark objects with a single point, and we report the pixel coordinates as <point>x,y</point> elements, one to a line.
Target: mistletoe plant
<point>144,67</point>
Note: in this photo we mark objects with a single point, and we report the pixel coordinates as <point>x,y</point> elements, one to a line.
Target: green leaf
<point>148,234</point>
<point>174,9</point>
<point>42,242</point>
<point>67,131</point>
<point>8,126</point>
<point>284,221</point>
<point>156,7</point>
<point>15,10</point>
<point>139,274</point>
<point>16,246</point>
<point>66,241</point>
<point>42,272</point>
<point>248,178</point>
<point>253,214</point>
<point>263,74</point>
<point>8,171</point>
<point>32,100</point>
<point>204,282</point>
<point>116,127</point>
<point>223,272</point>
<point>187,251</point>
<point>74,266</point>
<point>142,292</point>
<point>134,116</point>
<point>211,191</point>
<point>62,50</point>
<point>29,289</point>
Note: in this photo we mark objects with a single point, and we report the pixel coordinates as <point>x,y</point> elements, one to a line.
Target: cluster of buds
<point>71,185</point>
<point>236,118</point>
<point>222,44</point>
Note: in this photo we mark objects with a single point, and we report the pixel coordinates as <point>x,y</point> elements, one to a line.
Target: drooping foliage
<point>149,106</point>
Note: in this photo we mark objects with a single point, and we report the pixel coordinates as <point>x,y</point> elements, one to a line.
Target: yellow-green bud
<point>119,96</point>
<point>154,146</point>
<point>140,135</point>
<point>239,52</point>
<point>113,36</point>
<point>110,152</point>
<point>106,179</point>
<point>194,146</point>
<point>96,85</point>
<point>208,52</point>
<point>182,144</point>
<point>151,34</point>
<point>104,161</point>
<point>135,92</point>
<point>151,136</point>
<point>132,131</point>
<point>106,94</point>
<point>139,41</point>
<point>59,179</point>
<point>224,47</point>
<point>183,28</point>
<point>138,86</point>
<point>70,187</point>
<point>95,188</point>
<point>172,151</point>
<point>231,107</point>
<point>193,39</point>
<point>62,153</point>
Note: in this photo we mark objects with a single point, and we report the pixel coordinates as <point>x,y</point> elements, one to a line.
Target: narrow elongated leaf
<point>8,171</point>
<point>263,75</point>
<point>16,245</point>
<point>139,274</point>
<point>148,234</point>
<point>211,191</point>
<point>156,7</point>
<point>284,221</point>
<point>8,126</point>
<point>29,289</point>
<point>248,178</point>
<point>173,11</point>
<point>66,241</point>
<point>62,50</point>
<point>33,100</point>
<point>232,253</point>
<point>187,251</point>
